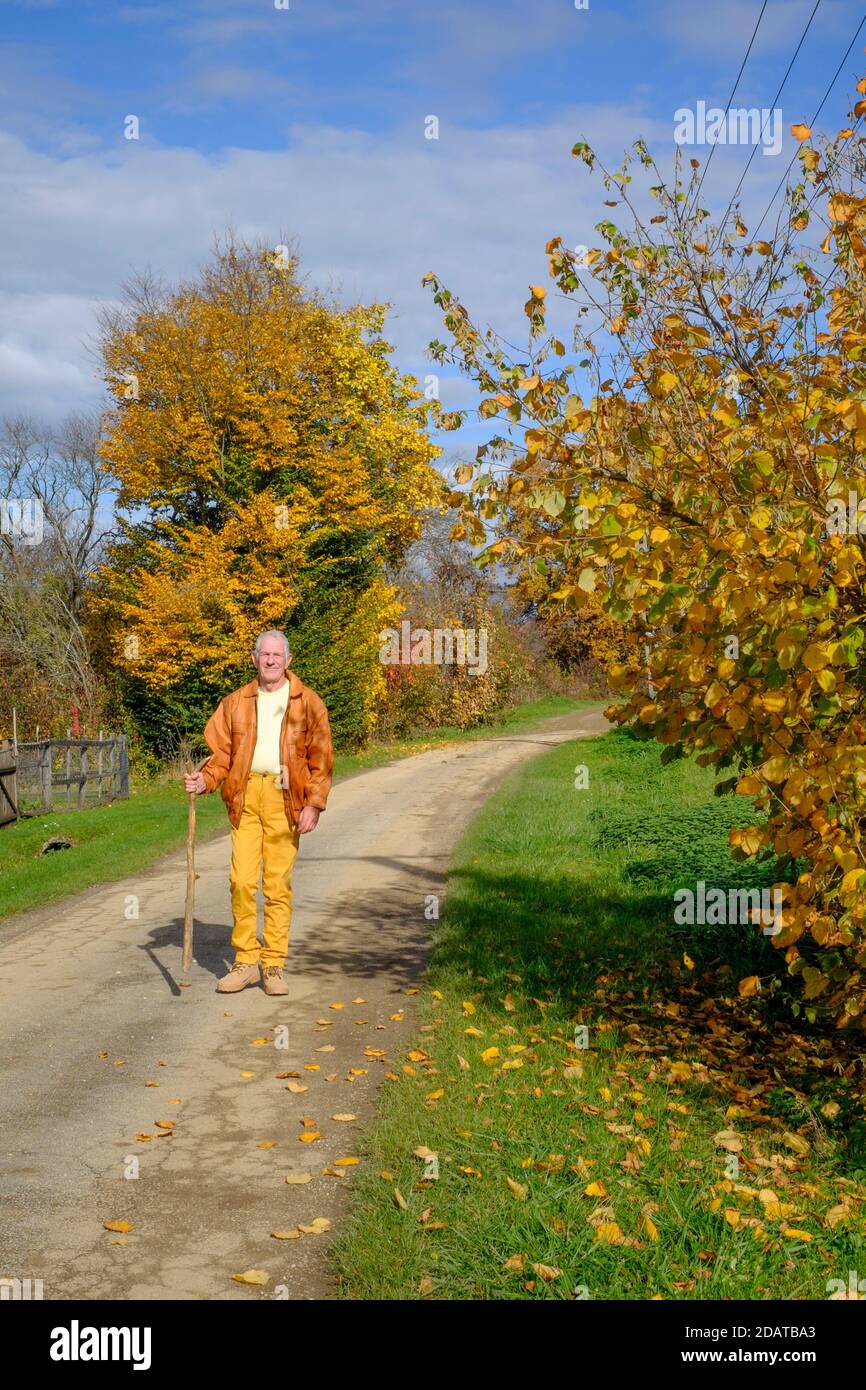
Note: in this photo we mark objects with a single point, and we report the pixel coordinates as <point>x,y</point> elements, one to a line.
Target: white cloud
<point>371,213</point>
<point>45,369</point>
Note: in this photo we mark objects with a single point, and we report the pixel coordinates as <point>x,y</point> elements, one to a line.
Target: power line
<point>784,178</point>
<point>823,281</point>
<point>773,104</point>
<point>731,97</point>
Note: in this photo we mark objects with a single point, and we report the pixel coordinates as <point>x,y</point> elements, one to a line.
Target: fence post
<point>45,771</point>
<point>68,767</point>
<point>124,766</point>
<point>8,767</point>
<point>82,776</point>
<point>15,791</point>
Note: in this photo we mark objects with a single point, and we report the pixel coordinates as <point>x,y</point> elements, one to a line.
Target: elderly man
<point>271,753</point>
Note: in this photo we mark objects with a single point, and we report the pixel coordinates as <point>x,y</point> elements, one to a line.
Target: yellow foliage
<point>279,462</point>
<point>714,477</point>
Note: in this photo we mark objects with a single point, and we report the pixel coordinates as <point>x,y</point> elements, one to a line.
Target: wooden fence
<point>8,784</point>
<point>62,774</point>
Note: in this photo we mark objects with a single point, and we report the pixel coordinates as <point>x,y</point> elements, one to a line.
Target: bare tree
<point>57,515</point>
<point>63,473</point>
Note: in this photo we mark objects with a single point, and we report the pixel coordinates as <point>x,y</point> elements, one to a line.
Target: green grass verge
<point>110,842</point>
<point>698,1148</point>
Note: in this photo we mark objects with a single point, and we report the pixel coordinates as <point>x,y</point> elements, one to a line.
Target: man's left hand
<point>308,819</point>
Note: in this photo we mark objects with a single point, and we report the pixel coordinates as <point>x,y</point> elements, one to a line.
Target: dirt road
<point>99,974</point>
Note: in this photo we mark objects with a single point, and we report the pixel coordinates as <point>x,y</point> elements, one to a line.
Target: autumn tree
<point>271,462</point>
<point>500,661</point>
<point>700,470</point>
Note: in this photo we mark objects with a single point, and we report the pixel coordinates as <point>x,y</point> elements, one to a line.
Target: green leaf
<point>553,502</point>
<point>586,580</point>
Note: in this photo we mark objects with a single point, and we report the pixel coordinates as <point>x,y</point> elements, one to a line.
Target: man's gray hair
<point>272,632</point>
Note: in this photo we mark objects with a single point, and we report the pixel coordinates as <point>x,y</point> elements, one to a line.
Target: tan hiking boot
<point>239,977</point>
<point>272,979</point>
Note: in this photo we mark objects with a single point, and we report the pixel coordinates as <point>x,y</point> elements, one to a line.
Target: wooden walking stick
<point>191,876</point>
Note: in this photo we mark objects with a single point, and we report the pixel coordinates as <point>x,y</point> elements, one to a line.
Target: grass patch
<point>699,1148</point>
<point>109,842</point>
<point>127,837</point>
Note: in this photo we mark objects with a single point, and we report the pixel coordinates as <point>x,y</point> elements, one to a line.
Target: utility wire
<point>825,278</point>
<point>775,99</point>
<point>731,97</point>
<point>784,178</point>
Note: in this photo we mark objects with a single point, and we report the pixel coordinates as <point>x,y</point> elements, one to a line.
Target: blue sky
<point>309,122</point>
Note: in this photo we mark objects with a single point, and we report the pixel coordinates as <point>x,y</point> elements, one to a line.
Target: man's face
<point>271,660</point>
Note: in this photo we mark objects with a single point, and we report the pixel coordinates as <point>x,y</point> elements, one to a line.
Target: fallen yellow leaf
<point>648,1227</point>
<point>515,1263</point>
<point>317,1227</point>
<point>608,1233</point>
<point>796,1142</point>
<point>252,1276</point>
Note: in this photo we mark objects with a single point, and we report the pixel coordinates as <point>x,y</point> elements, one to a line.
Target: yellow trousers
<point>263,836</point>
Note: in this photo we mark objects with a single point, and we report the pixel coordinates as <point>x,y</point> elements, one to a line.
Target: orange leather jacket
<point>306,754</point>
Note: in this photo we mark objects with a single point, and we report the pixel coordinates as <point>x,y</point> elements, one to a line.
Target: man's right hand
<point>194,782</point>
